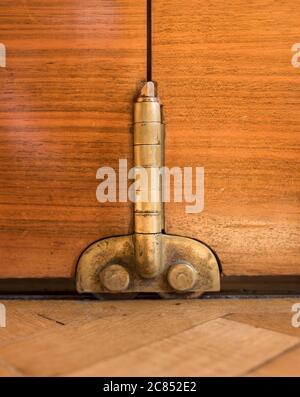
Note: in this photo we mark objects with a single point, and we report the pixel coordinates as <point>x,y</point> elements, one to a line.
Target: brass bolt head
<point>115,278</point>
<point>182,277</point>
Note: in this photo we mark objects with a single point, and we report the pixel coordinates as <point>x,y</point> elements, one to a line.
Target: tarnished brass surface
<point>173,250</point>
<point>147,155</point>
<point>148,222</point>
<point>148,260</point>
<point>115,278</point>
<point>182,276</point>
<point>145,134</point>
<point>148,251</point>
<point>147,112</point>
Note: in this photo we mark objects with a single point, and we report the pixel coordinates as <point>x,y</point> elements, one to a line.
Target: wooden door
<point>72,69</point>
<point>232,105</point>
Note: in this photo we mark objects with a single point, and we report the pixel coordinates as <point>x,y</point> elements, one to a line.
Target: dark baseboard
<point>261,284</point>
<point>230,285</point>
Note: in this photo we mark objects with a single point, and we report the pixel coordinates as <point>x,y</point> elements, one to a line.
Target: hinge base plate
<point>187,267</point>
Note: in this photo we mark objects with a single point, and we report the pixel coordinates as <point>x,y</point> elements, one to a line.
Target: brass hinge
<point>148,260</point>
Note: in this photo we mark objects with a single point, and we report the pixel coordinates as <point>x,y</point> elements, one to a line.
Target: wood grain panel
<point>65,110</point>
<point>286,364</point>
<point>116,335</point>
<point>208,349</point>
<point>232,105</point>
<point>279,322</point>
<point>57,337</point>
<point>23,322</point>
<point>6,370</point>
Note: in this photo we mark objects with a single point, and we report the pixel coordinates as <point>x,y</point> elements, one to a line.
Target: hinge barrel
<point>148,159</point>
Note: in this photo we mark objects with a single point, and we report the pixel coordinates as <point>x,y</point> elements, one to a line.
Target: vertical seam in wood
<point>149,40</point>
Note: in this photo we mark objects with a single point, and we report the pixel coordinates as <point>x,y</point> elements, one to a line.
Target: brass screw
<point>182,277</point>
<point>115,278</point>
